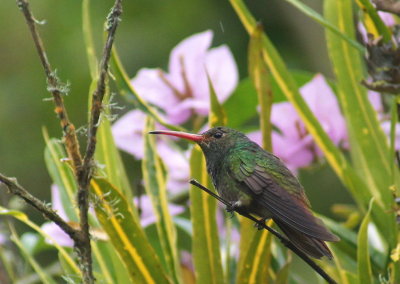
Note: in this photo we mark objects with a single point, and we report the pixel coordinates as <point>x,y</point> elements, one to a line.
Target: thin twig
<point>55,87</point>
<point>262,224</point>
<point>388,6</point>
<point>49,213</point>
<point>86,171</point>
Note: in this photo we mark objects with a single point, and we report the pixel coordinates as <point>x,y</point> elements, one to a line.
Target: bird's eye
<point>218,135</point>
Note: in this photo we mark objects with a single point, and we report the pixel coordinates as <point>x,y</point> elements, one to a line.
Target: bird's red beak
<point>184,135</point>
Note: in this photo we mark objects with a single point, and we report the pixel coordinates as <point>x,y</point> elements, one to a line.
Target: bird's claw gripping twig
<point>260,224</point>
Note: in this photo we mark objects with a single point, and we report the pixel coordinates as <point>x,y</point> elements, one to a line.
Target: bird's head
<point>215,141</point>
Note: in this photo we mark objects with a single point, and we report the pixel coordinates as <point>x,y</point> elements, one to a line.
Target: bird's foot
<point>232,207</point>
<point>260,224</point>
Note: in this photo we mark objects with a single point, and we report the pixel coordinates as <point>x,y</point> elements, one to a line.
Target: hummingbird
<point>257,182</point>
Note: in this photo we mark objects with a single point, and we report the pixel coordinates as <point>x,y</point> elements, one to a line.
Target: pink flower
<point>184,89</point>
<point>293,144</point>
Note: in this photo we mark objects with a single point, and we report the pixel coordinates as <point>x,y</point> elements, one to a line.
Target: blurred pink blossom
<point>184,89</point>
<point>293,144</point>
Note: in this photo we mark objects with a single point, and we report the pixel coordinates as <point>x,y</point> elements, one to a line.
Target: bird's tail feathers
<point>310,246</point>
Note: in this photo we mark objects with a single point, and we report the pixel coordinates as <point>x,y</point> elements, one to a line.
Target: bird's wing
<point>289,206</point>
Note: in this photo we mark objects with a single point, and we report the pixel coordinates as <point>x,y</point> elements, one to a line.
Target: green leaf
<point>88,37</point>
<point>255,253</point>
<point>261,79</point>
<point>217,116</point>
<point>24,219</point>
<point>205,242</point>
<point>126,90</point>
<point>125,233</point>
<point>62,175</point>
<point>155,185</point>
<point>326,23</point>
<point>368,143</point>
<point>43,276</point>
<point>363,257</point>
<point>108,155</point>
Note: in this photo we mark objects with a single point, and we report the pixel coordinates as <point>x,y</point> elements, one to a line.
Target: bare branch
<point>85,173</point>
<point>391,6</point>
<point>55,87</point>
<point>49,213</point>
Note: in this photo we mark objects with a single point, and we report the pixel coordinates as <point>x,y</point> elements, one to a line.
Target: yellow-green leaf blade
<point>261,80</point>
<point>255,254</point>
<point>325,23</point>
<point>62,175</point>
<point>363,257</point>
<point>155,185</point>
<point>205,241</point>
<point>126,235</point>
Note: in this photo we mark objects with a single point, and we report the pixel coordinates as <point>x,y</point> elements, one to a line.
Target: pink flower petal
<point>127,132</point>
<point>57,234</point>
<point>223,72</point>
<point>191,52</point>
<point>149,85</point>
<point>56,203</point>
<point>323,103</point>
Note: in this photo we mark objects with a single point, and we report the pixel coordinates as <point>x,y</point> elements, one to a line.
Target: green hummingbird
<point>257,182</point>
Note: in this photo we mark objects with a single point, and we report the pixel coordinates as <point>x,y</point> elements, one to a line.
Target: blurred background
<point>148,31</point>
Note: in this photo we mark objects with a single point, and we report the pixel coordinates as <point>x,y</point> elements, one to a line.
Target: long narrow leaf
<point>255,254</point>
<point>155,185</point>
<point>205,241</point>
<point>62,175</point>
<point>88,37</point>
<point>363,257</point>
<point>325,23</point>
<point>125,233</point>
<point>261,79</point>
